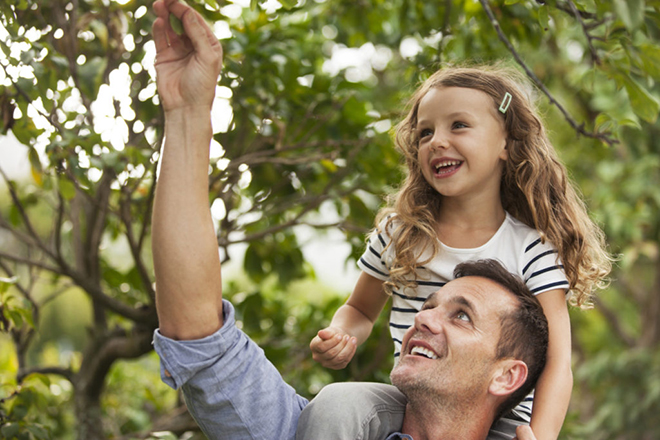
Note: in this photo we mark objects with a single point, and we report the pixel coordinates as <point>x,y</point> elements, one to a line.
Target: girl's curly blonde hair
<point>535,188</point>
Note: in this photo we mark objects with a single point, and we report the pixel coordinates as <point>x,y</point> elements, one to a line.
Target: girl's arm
<point>553,390</point>
<point>334,346</point>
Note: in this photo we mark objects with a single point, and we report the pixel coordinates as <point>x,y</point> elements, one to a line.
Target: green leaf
<point>101,32</point>
<point>176,24</point>
<point>91,76</point>
<point>10,430</point>
<point>26,314</point>
<point>544,19</point>
<point>288,4</point>
<point>631,12</point>
<point>67,188</point>
<point>25,130</point>
<point>16,318</point>
<point>650,56</point>
<point>213,3</point>
<point>19,411</point>
<point>587,5</point>
<point>38,432</point>
<point>643,103</point>
<point>629,123</point>
<point>35,166</point>
<point>27,56</point>
<point>6,283</point>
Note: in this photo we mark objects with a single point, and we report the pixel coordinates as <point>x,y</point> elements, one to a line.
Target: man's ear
<point>508,377</point>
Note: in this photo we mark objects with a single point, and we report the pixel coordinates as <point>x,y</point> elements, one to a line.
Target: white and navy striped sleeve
<point>373,260</point>
<point>378,257</point>
<point>542,270</point>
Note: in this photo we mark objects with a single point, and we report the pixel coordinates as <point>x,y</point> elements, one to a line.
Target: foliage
<point>306,137</point>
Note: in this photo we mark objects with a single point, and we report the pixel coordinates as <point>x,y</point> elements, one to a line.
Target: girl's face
<point>462,142</point>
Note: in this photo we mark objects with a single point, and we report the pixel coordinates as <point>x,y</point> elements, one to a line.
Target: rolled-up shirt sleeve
<point>230,387</point>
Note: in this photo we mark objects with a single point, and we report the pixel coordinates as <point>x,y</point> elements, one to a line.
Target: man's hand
<point>524,432</point>
<point>333,348</point>
<point>187,65</point>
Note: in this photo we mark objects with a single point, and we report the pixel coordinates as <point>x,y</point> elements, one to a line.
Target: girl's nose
<point>439,142</point>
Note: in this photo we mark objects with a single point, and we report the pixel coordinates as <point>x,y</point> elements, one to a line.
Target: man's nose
<point>428,321</point>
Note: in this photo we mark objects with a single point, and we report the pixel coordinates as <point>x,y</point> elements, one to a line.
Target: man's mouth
<point>423,351</point>
<point>446,166</point>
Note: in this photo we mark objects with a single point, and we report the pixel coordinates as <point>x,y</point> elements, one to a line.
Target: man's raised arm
<point>185,252</point>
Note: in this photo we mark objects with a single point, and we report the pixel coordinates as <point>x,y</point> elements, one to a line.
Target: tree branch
<point>605,137</point>
<point>105,350</point>
<point>32,263</point>
<point>26,220</point>
<point>135,246</point>
<point>66,373</point>
<point>594,55</point>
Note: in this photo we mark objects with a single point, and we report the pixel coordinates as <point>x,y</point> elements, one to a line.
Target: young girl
<point>483,182</point>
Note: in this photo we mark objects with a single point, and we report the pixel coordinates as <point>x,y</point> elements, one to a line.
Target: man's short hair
<point>524,332</point>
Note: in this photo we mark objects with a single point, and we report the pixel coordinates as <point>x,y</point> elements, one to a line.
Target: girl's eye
<point>458,124</point>
<point>425,133</point>
<point>463,316</point>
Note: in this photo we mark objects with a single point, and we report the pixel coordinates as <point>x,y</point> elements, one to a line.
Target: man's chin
<point>402,374</point>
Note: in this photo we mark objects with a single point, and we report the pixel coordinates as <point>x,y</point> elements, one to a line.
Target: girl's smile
<point>445,167</point>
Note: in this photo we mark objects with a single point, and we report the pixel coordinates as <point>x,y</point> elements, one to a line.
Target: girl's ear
<point>504,154</point>
<point>510,375</point>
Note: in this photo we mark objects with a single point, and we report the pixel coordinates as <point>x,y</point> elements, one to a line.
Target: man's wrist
<point>194,120</point>
<point>194,112</point>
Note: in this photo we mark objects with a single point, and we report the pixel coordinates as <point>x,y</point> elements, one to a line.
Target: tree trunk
<point>99,356</point>
<point>88,416</point>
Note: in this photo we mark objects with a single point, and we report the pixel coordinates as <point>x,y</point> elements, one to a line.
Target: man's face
<point>450,350</point>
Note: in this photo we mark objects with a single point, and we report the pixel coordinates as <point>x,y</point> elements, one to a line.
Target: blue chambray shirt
<point>230,387</point>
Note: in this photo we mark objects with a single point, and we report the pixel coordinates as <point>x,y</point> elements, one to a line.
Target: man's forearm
<point>186,261</point>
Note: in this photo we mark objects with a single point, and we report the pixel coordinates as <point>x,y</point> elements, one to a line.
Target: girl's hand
<point>524,432</point>
<point>333,348</point>
<point>187,65</point>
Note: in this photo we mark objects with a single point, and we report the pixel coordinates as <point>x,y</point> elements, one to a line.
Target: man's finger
<point>194,25</point>
<point>159,28</point>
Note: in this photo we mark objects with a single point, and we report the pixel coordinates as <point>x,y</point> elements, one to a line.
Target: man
<point>475,350</point>
<point>454,378</point>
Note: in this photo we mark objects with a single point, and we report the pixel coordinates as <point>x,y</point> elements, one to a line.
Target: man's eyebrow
<point>461,300</point>
<point>430,298</point>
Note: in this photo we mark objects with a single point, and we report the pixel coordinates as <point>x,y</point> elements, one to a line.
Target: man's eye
<point>463,316</point>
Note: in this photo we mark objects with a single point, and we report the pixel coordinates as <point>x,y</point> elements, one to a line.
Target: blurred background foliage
<point>309,93</point>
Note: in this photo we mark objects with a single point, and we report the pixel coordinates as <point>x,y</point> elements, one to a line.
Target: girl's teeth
<point>447,164</point>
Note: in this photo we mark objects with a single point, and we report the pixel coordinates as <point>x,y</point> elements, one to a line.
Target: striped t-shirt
<point>517,246</point>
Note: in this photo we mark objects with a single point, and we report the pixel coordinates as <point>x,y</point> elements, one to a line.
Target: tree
<point>303,140</point>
